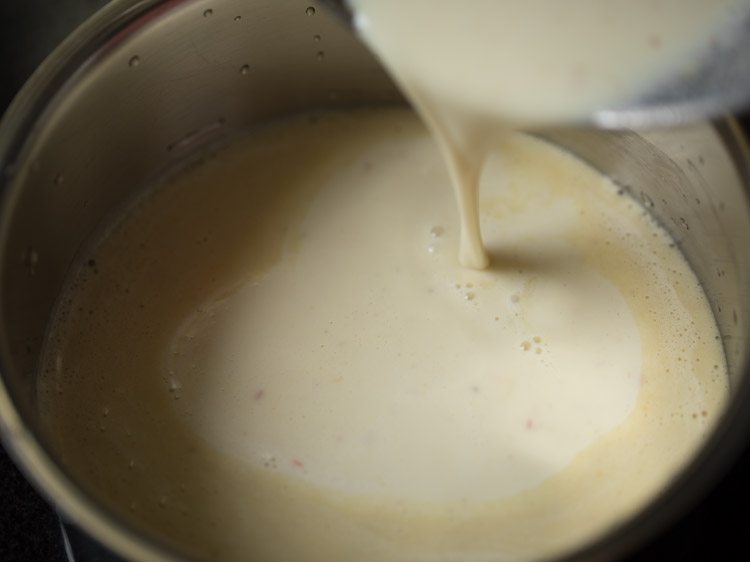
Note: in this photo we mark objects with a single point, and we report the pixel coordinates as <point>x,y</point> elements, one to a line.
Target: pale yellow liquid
<point>277,357</point>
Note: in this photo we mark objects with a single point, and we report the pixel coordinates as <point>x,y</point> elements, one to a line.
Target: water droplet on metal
<point>245,69</point>
<point>237,18</point>
<point>647,201</point>
<point>320,56</point>
<point>208,13</point>
<point>310,11</point>
<point>317,38</point>
<point>134,61</point>
<point>31,259</point>
<point>174,385</point>
<point>59,179</point>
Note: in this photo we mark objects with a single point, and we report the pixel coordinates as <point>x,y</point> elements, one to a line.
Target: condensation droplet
<point>131,464</point>
<point>310,11</point>
<point>134,61</point>
<point>431,249</point>
<point>525,345</point>
<point>237,18</point>
<point>537,339</point>
<point>684,223</point>
<point>105,411</point>
<point>317,38</point>
<point>245,69</point>
<point>208,13</point>
<point>174,385</point>
<point>469,296</point>
<point>31,259</point>
<point>515,298</point>
<point>59,179</point>
<point>320,56</point>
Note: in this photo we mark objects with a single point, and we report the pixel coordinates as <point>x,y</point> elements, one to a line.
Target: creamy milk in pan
<point>298,349</point>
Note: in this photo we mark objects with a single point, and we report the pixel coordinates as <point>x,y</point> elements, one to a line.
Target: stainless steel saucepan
<point>146,83</point>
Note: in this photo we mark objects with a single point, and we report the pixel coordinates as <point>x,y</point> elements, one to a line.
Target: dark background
<point>29,529</point>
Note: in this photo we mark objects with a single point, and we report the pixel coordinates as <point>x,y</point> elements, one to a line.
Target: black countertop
<point>29,528</point>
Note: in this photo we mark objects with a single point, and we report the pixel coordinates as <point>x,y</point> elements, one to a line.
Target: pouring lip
<point>79,53</point>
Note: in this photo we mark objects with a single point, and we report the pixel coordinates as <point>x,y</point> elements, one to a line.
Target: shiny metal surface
<point>146,83</point>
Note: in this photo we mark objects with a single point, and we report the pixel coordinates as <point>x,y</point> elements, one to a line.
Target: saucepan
<point>146,84</point>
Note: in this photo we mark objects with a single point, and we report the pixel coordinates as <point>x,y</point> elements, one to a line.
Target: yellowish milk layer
<point>276,356</point>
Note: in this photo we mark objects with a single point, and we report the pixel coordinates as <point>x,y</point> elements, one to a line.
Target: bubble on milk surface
<point>437,231</point>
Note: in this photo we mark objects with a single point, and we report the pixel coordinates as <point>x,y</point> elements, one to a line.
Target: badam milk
<point>297,349</point>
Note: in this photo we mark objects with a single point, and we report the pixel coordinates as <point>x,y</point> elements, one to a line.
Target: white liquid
<point>278,358</point>
<point>475,67</point>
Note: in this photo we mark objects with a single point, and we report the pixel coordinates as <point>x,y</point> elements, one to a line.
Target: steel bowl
<point>145,84</point>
